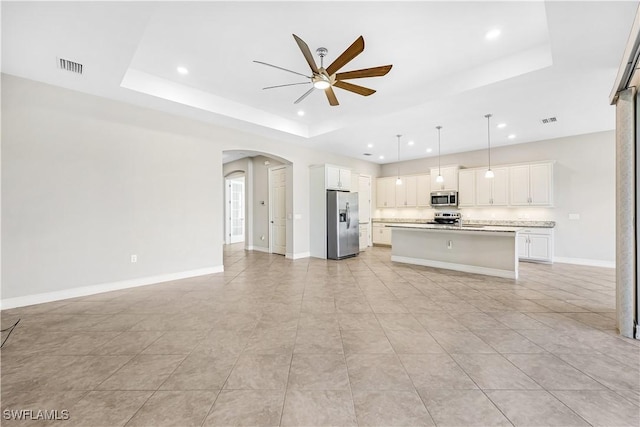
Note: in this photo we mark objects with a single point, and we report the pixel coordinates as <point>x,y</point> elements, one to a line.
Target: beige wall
<point>584,183</point>
<point>86,182</point>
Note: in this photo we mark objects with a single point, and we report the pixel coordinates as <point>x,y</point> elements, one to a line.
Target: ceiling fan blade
<point>366,72</point>
<point>304,95</point>
<point>307,54</point>
<point>360,90</point>
<point>283,69</point>
<point>331,96</point>
<point>290,84</point>
<point>352,51</point>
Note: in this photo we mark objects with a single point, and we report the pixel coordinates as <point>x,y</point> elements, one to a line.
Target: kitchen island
<point>488,250</point>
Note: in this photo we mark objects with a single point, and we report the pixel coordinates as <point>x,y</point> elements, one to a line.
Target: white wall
<point>584,183</point>
<point>86,182</point>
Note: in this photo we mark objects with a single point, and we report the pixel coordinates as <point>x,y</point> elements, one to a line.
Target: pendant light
<point>489,172</point>
<point>439,178</point>
<point>398,180</point>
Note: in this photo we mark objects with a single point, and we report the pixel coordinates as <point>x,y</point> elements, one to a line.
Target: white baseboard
<point>507,274</point>
<point>258,248</point>
<point>83,291</point>
<point>585,261</point>
<point>298,255</point>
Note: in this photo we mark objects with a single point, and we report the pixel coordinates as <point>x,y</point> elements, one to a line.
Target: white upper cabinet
<point>492,191</point>
<point>423,190</point>
<point>450,179</point>
<point>466,187</point>
<point>338,178</point>
<point>386,192</point>
<point>406,192</point>
<point>531,185</point>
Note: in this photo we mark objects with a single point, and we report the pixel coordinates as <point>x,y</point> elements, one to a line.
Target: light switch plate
<point>574,216</point>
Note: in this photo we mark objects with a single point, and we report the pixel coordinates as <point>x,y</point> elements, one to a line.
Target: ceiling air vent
<point>366,154</point>
<point>74,67</point>
<point>549,120</point>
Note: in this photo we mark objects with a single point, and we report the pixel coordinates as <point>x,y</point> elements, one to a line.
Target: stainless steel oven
<point>444,198</point>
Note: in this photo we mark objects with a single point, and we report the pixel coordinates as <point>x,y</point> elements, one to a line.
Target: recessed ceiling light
<point>182,70</point>
<point>381,157</point>
<point>501,125</point>
<point>492,34</point>
<point>301,113</point>
<point>369,145</point>
<point>411,143</point>
<point>512,136</point>
<point>429,150</point>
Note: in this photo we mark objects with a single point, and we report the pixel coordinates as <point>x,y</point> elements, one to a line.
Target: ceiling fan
<point>328,78</point>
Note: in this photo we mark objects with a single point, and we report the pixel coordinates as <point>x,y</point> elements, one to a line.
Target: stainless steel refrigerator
<point>343,238</point>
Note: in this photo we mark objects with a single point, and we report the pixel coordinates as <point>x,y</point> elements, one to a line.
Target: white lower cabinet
<point>364,236</point>
<point>381,235</point>
<point>535,244</point>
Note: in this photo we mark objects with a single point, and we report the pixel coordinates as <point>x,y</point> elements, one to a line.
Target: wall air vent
<point>74,67</point>
<point>549,120</point>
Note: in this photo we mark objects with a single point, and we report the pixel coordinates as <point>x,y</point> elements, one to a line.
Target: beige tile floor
<point>311,342</point>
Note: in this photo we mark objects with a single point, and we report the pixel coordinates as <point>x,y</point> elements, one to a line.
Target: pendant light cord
<point>439,127</point>
<point>488,116</point>
<point>398,155</point>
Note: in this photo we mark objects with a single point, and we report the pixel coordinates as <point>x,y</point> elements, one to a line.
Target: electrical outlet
<point>134,258</point>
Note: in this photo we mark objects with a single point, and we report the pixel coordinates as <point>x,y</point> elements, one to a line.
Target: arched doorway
<point>267,200</point>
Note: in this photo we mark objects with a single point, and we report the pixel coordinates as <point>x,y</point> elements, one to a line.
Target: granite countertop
<point>465,222</point>
<point>464,227</point>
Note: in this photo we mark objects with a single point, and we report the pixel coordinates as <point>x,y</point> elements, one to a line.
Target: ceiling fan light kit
<point>326,79</point>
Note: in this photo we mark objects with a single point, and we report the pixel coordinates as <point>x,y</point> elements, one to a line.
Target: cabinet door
<point>500,187</point>
<point>410,188</point>
<point>345,179</point>
<point>450,175</point>
<point>423,190</point>
<point>539,247</point>
<point>385,236</point>
<point>385,192</point>
<point>483,188</point>
<point>523,245</point>
<point>519,185</point>
<point>333,177</point>
<point>401,193</point>
<point>540,184</point>
<point>466,188</point>
<point>364,236</point>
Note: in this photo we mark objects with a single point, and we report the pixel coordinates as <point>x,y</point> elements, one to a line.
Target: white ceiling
<point>552,59</point>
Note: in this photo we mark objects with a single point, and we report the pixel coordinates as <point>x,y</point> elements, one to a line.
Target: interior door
<point>235,210</point>
<point>278,220</point>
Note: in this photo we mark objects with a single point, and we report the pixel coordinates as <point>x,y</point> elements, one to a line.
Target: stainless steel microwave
<point>444,198</point>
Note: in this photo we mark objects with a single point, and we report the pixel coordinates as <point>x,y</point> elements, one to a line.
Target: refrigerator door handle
<point>348,216</point>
